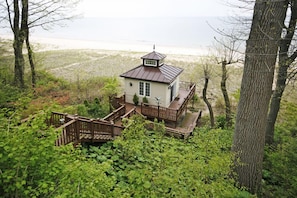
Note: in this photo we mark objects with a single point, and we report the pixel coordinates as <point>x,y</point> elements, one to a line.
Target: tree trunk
<point>207,102</point>
<point>284,62</point>
<point>25,28</point>
<point>225,94</point>
<point>31,61</point>
<point>256,86</point>
<point>19,62</point>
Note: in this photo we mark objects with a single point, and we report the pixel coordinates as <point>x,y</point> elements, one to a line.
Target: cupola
<point>153,59</point>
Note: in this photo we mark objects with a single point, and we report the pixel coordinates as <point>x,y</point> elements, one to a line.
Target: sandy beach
<point>48,44</point>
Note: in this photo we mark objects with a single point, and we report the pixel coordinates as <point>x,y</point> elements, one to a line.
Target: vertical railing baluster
<point>92,129</point>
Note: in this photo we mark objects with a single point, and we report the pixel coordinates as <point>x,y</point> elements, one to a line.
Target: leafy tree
<point>260,59</point>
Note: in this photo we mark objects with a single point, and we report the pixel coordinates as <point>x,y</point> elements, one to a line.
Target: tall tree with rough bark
<point>287,55</point>
<point>256,87</point>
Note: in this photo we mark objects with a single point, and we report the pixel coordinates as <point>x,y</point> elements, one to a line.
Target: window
<point>141,88</point>
<point>147,89</point>
<point>150,62</point>
<point>144,89</point>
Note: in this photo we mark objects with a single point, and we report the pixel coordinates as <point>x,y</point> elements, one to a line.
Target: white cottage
<point>153,79</point>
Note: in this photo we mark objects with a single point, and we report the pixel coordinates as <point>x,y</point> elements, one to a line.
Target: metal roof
<point>163,74</point>
<point>154,56</point>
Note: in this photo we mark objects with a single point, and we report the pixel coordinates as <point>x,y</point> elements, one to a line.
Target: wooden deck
<point>77,129</point>
<point>175,111</point>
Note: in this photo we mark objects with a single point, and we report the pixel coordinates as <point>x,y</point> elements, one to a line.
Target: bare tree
<point>17,23</point>
<point>204,96</point>
<point>260,58</point>
<point>287,55</point>
<point>22,16</point>
<point>227,54</point>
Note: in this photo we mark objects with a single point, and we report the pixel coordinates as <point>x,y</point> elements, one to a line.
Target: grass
<point>77,65</point>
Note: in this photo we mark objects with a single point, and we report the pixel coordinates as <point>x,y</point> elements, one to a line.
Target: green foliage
<point>221,121</point>
<point>95,109</point>
<point>147,163</point>
<point>135,99</point>
<point>32,166</point>
<point>280,173</point>
<point>236,95</point>
<point>144,99</point>
<point>8,95</point>
<point>111,86</point>
<point>195,100</point>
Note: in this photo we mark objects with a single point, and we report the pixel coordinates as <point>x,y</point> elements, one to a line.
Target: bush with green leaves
<point>144,99</point>
<point>8,95</point>
<point>32,166</point>
<point>280,173</point>
<point>135,99</point>
<point>148,163</point>
<point>95,109</point>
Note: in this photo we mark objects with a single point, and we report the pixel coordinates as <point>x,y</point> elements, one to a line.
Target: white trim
<point>144,85</point>
<point>149,62</point>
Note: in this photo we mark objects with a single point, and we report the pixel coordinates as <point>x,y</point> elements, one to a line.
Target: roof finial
<point>154,47</point>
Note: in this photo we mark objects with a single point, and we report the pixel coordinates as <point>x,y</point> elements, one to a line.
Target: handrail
<point>128,113</point>
<point>116,114</point>
<point>66,124</point>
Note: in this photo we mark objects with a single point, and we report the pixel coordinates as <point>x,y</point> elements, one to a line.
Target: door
<point>172,92</point>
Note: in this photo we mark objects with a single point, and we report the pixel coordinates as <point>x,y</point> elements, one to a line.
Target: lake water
<point>190,33</point>
<point>181,32</point>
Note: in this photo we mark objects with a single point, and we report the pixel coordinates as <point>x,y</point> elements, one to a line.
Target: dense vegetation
<point>140,163</point>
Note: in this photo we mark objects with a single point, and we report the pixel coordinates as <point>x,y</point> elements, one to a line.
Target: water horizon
<point>196,34</point>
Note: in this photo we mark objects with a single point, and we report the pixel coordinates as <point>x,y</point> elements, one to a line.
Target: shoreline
<point>54,43</point>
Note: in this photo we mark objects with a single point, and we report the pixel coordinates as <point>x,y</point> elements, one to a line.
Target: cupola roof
<point>154,56</point>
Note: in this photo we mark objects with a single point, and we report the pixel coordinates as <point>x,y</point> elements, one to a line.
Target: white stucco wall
<point>160,90</point>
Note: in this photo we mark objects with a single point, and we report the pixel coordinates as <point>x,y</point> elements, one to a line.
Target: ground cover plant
<point>139,163</point>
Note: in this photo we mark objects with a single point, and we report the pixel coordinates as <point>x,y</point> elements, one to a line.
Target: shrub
<point>147,163</point>
<point>144,99</point>
<point>135,99</point>
<point>280,173</point>
<point>221,121</point>
<point>32,166</point>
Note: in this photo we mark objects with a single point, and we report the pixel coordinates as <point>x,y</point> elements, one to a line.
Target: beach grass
<point>74,64</point>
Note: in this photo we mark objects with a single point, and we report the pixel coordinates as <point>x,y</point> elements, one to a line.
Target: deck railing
<point>79,129</point>
<point>116,114</point>
<point>168,114</point>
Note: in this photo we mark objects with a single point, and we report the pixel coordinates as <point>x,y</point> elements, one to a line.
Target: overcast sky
<point>155,8</point>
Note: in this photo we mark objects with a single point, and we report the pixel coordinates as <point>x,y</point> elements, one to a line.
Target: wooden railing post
<point>92,129</point>
<point>112,128</point>
<point>77,129</point>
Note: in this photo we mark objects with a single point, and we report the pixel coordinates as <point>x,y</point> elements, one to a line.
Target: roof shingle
<point>163,74</point>
<point>154,56</point>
